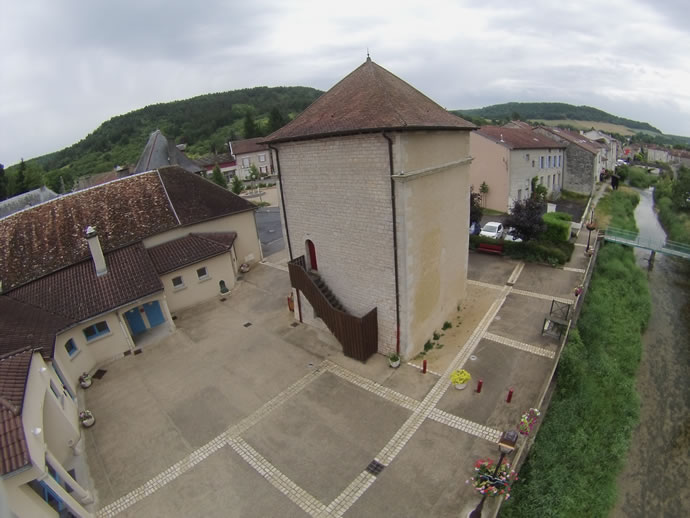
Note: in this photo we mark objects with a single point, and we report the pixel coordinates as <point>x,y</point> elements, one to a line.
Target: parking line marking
<point>540,351</point>
<point>576,270</point>
<point>465,425</point>
<point>484,284</point>
<point>516,273</point>
<point>276,478</point>
<point>542,296</point>
<point>372,386</point>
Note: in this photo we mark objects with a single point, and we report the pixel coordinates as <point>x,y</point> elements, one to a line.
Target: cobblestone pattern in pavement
<point>426,409</point>
<point>541,351</point>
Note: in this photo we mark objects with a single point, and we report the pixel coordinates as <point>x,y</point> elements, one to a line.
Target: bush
<point>535,251</point>
<point>640,178</point>
<point>557,226</point>
<point>619,207</point>
<point>572,468</point>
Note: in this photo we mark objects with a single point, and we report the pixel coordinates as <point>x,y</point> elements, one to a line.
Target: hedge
<point>557,226</point>
<point>535,251</point>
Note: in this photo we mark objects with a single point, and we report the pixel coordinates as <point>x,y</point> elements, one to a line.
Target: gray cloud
<point>69,66</point>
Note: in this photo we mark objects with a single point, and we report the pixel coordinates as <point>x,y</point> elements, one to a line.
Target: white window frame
<point>180,285</point>
<point>202,277</point>
<point>541,162</point>
<point>262,157</point>
<point>245,162</point>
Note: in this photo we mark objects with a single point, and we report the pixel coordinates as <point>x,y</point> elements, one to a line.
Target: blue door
<point>136,323</point>
<point>154,313</point>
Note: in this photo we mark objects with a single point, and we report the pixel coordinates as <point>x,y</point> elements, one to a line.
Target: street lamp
<point>506,444</point>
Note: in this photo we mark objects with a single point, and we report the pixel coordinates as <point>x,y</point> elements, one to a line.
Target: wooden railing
<point>357,335</point>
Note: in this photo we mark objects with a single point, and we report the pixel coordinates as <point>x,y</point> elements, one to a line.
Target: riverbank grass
<point>583,442</point>
<point>617,209</point>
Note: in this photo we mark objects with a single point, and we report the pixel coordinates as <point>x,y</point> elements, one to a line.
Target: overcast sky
<point>67,66</point>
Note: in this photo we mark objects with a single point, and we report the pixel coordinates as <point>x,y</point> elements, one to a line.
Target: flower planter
<point>88,422</point>
<point>394,364</point>
<point>460,386</point>
<point>85,383</point>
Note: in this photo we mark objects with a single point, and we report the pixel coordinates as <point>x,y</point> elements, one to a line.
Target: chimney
<point>96,251</point>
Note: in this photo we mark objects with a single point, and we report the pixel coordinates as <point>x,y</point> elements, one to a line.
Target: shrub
<point>640,178</point>
<point>557,226</point>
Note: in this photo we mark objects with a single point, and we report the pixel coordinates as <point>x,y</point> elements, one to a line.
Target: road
<point>270,230</point>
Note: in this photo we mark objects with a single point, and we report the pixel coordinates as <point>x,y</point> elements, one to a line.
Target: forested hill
<point>551,111</point>
<point>204,123</point>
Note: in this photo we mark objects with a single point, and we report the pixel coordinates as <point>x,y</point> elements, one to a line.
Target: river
<point>655,479</point>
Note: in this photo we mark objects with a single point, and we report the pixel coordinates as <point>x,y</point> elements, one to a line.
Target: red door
<point>312,254</point>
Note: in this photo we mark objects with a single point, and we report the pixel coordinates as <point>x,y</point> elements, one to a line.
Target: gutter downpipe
<point>395,246</point>
<point>287,231</point>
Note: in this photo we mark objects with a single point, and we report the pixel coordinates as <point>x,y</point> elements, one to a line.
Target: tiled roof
<point>48,237</point>
<point>28,199</point>
<point>190,249</point>
<point>23,325</point>
<point>212,160</point>
<point>517,124</point>
<point>368,99</point>
<point>159,152</point>
<point>14,370</point>
<point>577,139</point>
<point>518,138</point>
<point>77,293</point>
<point>250,145</point>
<point>197,199</point>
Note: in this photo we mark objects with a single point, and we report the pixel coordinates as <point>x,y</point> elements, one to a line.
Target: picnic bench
<point>490,248</point>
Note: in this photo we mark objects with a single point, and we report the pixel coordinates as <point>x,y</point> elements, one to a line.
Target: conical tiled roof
<point>368,99</point>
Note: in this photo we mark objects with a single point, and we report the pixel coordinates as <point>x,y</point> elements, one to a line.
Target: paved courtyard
<point>244,413</point>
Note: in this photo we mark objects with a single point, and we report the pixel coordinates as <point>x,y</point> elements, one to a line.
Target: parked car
<point>510,237</point>
<point>492,229</point>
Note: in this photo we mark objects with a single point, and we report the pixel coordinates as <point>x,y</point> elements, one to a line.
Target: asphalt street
<point>270,230</point>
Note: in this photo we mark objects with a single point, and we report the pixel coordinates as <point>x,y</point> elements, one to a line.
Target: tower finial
<point>368,58</point>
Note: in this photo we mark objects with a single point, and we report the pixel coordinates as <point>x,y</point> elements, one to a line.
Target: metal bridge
<point>626,237</point>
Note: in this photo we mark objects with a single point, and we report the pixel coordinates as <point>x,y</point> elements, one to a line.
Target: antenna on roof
<point>368,58</point>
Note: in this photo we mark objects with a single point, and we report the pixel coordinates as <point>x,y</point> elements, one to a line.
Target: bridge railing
<point>651,243</point>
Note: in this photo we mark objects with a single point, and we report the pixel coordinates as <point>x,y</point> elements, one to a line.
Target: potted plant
<point>394,360</point>
<point>591,225</point>
<point>460,378</point>
<point>528,420</point>
<point>489,481</point>
<point>85,380</point>
<point>86,418</point>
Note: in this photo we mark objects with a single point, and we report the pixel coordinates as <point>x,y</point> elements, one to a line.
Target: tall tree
<point>250,128</point>
<point>237,185</point>
<point>3,183</point>
<point>276,120</point>
<point>526,218</point>
<point>20,182</point>
<point>219,178</point>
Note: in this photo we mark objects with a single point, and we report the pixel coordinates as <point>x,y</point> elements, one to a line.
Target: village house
<point>584,159</point>
<point>252,151</point>
<point>507,159</point>
<point>613,147</point>
<point>375,204</point>
<point>85,279</point>
<point>225,161</point>
<point>658,154</point>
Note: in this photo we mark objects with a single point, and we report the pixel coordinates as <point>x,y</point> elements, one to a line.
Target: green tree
<point>20,181</point>
<point>539,192</point>
<point>253,175</point>
<point>276,120</point>
<point>237,186</point>
<point>526,218</point>
<point>3,183</point>
<point>475,207</point>
<point>680,191</point>
<point>218,177</point>
<point>250,128</point>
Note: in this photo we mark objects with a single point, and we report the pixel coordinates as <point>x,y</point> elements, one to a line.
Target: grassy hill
<point>565,114</point>
<point>204,123</point>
